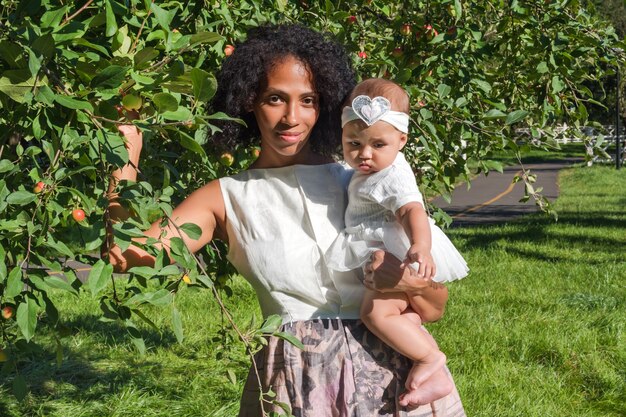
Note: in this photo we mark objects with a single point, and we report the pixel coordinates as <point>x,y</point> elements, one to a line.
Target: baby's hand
<point>427,268</point>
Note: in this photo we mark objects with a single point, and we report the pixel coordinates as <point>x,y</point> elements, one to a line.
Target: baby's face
<point>370,149</point>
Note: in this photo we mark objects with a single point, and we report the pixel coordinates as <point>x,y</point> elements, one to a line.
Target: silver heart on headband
<point>371,110</point>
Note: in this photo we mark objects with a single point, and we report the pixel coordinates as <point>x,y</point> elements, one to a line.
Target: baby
<point>386,211</point>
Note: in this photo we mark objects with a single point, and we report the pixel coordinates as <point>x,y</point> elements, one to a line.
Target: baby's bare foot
<point>424,369</point>
<point>437,386</point>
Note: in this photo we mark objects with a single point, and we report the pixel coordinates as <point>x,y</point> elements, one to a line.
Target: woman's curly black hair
<point>245,71</point>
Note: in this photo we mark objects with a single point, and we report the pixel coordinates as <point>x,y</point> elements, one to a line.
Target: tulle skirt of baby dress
<point>353,247</point>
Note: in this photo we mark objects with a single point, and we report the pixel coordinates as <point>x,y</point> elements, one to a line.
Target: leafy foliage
<point>71,73</point>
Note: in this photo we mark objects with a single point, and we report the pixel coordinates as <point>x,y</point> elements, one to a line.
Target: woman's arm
<point>385,273</point>
<point>204,207</point>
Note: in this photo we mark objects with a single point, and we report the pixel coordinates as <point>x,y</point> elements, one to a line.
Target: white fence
<point>597,141</point>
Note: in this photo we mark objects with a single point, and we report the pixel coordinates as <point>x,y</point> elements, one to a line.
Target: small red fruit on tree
<point>451,31</point>
<point>430,32</point>
<point>7,312</point>
<point>227,159</point>
<point>351,20</point>
<point>405,30</point>
<point>397,52</point>
<point>228,50</point>
<point>39,187</point>
<point>78,215</point>
<point>256,152</point>
<point>362,54</point>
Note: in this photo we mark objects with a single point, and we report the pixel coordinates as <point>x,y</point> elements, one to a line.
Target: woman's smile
<point>286,110</point>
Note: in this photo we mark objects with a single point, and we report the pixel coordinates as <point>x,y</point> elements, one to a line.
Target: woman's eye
<point>310,101</point>
<point>274,99</point>
<point>353,143</point>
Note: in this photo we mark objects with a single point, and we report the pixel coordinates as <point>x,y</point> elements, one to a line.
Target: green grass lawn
<point>537,329</point>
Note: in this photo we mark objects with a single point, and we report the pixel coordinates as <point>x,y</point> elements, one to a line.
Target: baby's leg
<point>382,314</point>
<point>437,386</point>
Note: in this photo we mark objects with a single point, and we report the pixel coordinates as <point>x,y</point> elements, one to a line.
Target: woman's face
<point>286,111</point>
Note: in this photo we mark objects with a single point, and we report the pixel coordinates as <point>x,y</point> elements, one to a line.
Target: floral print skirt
<point>343,371</point>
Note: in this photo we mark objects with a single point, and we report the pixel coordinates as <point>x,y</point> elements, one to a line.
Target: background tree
<point>70,72</point>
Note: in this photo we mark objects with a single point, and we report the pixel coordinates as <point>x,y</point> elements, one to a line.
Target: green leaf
<point>190,143</point>
<point>12,55</point>
<point>194,232</point>
<point>20,389</point>
<point>483,85</point>
<point>165,102</point>
<point>223,116</point>
<point>99,276</point>
<point>146,319</point>
<point>205,37</point>
<point>72,103</point>
<point>458,9</point>
<point>557,84</point>
<point>6,165</point>
<point>231,376</point>
<point>290,338</point>
<point>163,16</point>
<point>177,325</point>
<point>204,84</point>
<point>15,285</point>
<point>21,197</point>
<point>139,344</point>
<point>58,246</point>
<point>143,57</point>
<point>17,87</point>
<point>52,18</point>
<point>280,5</point>
<point>115,150</point>
<point>494,114</point>
<point>181,114</point>
<point>542,67</point>
<point>44,46</point>
<point>111,23</point>
<point>443,90</point>
<point>3,265</point>
<point>110,77</point>
<point>516,116</point>
<point>34,63</point>
<point>271,324</point>
<point>26,317</point>
<point>86,43</point>
<point>143,271</point>
<point>57,282</point>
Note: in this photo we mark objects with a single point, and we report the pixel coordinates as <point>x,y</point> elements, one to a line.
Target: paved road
<point>495,199</point>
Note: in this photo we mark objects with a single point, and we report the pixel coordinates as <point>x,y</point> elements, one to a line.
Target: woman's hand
<point>385,273</point>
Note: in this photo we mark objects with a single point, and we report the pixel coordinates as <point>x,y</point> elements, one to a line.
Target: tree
<point>475,70</point>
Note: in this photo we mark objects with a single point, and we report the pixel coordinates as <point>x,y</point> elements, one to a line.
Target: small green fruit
<point>131,102</point>
<point>227,159</point>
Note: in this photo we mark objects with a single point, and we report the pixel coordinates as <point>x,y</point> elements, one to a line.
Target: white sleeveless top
<point>280,222</point>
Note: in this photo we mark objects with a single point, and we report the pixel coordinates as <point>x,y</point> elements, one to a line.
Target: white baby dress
<point>371,223</point>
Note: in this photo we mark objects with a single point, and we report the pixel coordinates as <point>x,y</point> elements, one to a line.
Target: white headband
<point>372,110</point>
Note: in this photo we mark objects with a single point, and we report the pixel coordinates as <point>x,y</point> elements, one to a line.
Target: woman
<point>280,216</point>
